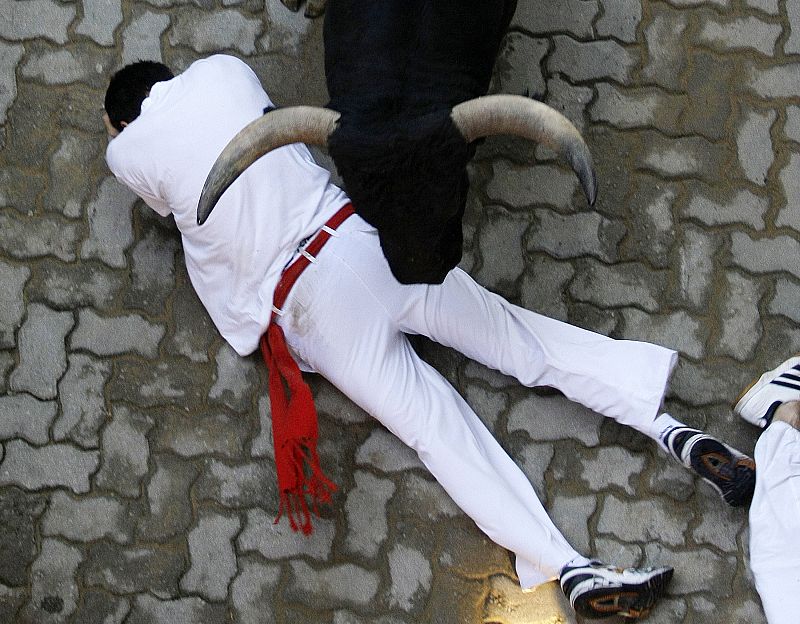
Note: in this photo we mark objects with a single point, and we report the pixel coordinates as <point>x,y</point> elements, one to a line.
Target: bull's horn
<point>521,116</point>
<point>279,127</point>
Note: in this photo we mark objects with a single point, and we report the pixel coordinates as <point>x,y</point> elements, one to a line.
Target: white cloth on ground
<point>347,317</point>
<point>775,523</point>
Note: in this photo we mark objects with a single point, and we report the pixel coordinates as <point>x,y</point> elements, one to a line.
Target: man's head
<point>129,87</point>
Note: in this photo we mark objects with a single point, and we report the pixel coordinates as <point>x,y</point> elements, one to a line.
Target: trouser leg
<point>337,325</point>
<point>775,523</point>
<point>621,379</point>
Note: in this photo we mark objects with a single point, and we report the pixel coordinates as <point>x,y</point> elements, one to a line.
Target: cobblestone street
<point>137,481</point>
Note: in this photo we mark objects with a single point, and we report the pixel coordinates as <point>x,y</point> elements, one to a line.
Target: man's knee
<point>789,413</point>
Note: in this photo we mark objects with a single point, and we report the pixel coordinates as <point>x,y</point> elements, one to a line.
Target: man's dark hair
<point>129,87</point>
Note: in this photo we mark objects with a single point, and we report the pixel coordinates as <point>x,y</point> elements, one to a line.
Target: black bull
<point>395,70</point>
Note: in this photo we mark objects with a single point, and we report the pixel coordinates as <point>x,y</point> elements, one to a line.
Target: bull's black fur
<point>394,70</point>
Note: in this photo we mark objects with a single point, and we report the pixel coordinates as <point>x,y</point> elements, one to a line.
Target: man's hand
<point>112,131</point>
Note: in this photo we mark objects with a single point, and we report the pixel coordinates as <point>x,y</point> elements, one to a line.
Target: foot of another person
<point>759,401</point>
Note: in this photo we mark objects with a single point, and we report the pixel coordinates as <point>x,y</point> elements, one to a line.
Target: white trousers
<point>775,523</point>
<point>347,319</point>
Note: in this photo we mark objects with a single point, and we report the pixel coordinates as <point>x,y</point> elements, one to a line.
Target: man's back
<point>164,155</point>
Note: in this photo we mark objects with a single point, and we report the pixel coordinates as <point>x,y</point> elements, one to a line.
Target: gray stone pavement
<point>137,479</point>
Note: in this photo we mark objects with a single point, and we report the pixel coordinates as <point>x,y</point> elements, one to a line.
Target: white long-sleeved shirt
<point>235,259</point>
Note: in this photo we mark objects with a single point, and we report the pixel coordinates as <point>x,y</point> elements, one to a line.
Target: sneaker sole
<point>631,602</point>
<point>757,384</point>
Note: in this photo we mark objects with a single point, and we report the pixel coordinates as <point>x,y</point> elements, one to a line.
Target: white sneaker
<point>758,402</point>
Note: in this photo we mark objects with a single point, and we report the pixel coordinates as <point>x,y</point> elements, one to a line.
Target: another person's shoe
<point>596,590</point>
<point>731,473</point>
<point>758,402</point>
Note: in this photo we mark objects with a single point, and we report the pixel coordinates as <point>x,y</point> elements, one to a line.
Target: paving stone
<point>69,286</point>
<point>696,267</point>
<point>571,515</point>
<point>789,215</point>
<point>150,610</point>
<point>12,305</point>
<point>83,409</point>
<point>330,401</point>
<point>384,451</point>
<point>42,353</point>
<point>671,479</point>
<point>719,524</point>
<point>100,19</point>
<point>285,31</point>
<point>650,231</point>
<point>365,508</point>
<point>213,562</point>
<point>711,207</point>
<point>792,45</point>
<point>346,617</point>
<point>10,56</point>
<point>55,465</point>
<point>628,284</point>
<point>28,237</point>
<point>642,521</point>
<point>115,336</point>
<point>767,6</point>
<point>570,101</point>
<point>252,592</point>
<point>278,541</point>
<point>544,286</point>
<point>518,67</point>
<point>141,39</point>
<point>467,552</point>
<point>11,599</point>
<point>637,108</point>
<point>236,380</point>
<point>591,60</point>
<point>506,602</point>
<point>19,516</point>
<point>21,188</point>
<point>547,418</point>
<point>110,229</point>
<point>785,300</point>
<point>220,30</point>
<point>149,384</point>
<point>741,33</point>
<point>487,404</point>
<point>573,16</point>
<point>779,81</point>
<point>62,66</point>
<point>54,590</point>
<point>35,18</point>
<point>193,332</point>
<point>125,451</point>
<point>68,189</point>
<point>703,384</point>
<point>247,485</point>
<point>534,461</point>
<point>792,126</point>
<point>617,553</point>
<point>192,434</point>
<point>168,499</point>
<point>520,187</point>
<point>6,364</point>
<point>335,586</point>
<point>425,498</point>
<point>755,145</point>
<point>501,237</point>
<point>100,607</point>
<point>152,271</point>
<point>740,319</point>
<point>701,569</point>
<point>153,568</point>
<point>574,235</point>
<point>666,59</point>
<point>26,417</point>
<point>678,331</point>
<point>262,445</point>
<point>613,466</point>
<point>620,19</point>
<point>411,576</point>
<point>683,157</point>
<point>765,255</point>
<point>86,519</point>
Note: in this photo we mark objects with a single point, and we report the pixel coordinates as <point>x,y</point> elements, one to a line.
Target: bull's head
<point>403,153</point>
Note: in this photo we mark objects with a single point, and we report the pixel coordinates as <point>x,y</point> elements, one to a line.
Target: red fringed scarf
<point>294,418</point>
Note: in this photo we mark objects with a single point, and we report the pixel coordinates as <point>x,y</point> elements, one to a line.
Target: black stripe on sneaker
<point>785,384</point>
<point>788,376</point>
